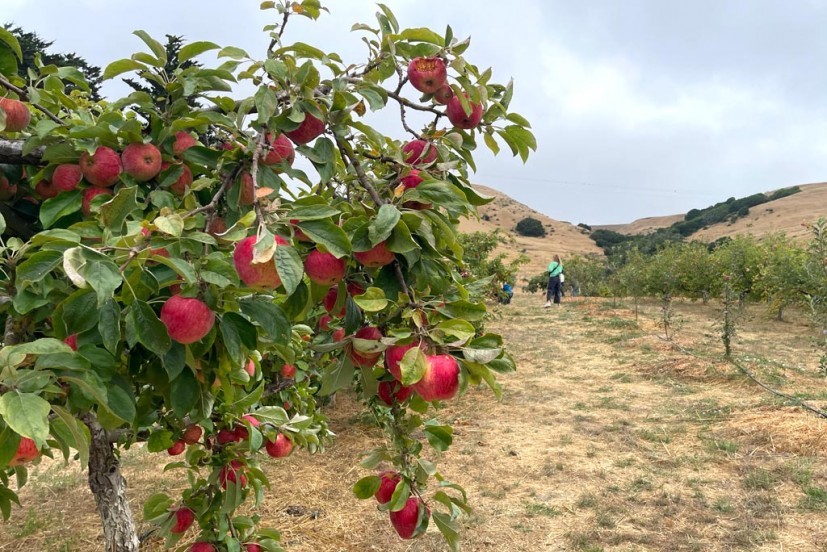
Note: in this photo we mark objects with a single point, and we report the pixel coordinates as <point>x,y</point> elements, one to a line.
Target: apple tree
<point>198,273</point>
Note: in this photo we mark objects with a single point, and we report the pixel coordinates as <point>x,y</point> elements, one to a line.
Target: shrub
<point>531,227</point>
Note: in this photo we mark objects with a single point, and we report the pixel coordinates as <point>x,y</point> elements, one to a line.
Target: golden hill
<point>781,215</point>
<point>504,213</point>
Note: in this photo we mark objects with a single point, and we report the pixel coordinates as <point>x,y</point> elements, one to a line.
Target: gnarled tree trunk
<point>109,488</point>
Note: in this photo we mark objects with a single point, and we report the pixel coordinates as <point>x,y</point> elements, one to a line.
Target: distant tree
<point>486,271</point>
<point>33,45</point>
<point>155,80</point>
<point>531,227</point>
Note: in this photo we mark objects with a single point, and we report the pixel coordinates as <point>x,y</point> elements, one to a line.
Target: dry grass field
<point>607,438</point>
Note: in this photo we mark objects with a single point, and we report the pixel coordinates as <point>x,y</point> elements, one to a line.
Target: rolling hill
<point>504,213</point>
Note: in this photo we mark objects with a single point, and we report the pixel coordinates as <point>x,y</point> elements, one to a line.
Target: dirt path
<point>607,438</point>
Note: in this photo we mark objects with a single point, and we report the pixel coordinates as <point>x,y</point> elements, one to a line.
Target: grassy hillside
<point>562,238</point>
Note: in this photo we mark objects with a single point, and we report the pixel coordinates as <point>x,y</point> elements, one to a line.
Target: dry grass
<point>608,438</point>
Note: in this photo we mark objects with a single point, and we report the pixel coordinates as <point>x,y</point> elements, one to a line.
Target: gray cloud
<point>640,108</point>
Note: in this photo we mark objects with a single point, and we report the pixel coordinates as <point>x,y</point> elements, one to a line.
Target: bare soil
<point>607,438</point>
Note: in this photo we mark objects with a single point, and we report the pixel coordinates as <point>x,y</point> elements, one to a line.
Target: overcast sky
<point>640,107</point>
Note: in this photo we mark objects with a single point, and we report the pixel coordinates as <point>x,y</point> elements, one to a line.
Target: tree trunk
<point>706,297</point>
<point>109,488</point>
<point>780,315</point>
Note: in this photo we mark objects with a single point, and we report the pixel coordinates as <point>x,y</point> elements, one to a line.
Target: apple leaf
<point>195,48</point>
<point>150,331</point>
<point>448,528</point>
<point>366,487</point>
<point>27,414</point>
<point>60,206</point>
<point>381,227</point>
<point>373,300</point>
<point>413,366</point>
<point>400,496</point>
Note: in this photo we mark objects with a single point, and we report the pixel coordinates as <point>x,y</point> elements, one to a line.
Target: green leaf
<point>373,300</point>
<point>121,404</point>
<point>381,227</point>
<point>158,504</point>
<point>80,311</point>
<point>461,330</point>
<point>439,436</point>
<point>366,487</point>
<point>9,442</point>
<point>233,52</point>
<point>109,325</point>
<point>42,346</point>
<point>122,66</point>
<point>266,103</point>
<point>195,48</point>
<point>289,267</point>
<point>172,225</point>
<point>36,267</point>
<point>269,316</point>
<point>464,309</point>
<point>413,366</point>
<point>186,393</point>
<point>159,440</point>
<point>79,432</point>
<point>156,47</point>
<point>422,34</point>
<point>326,233</point>
<point>60,206</point>
<point>150,331</point>
<point>27,414</point>
<point>336,376</point>
<point>114,212</point>
<point>312,212</point>
<point>400,496</point>
<point>9,39</point>
<point>448,528</point>
<point>175,360</point>
<point>201,155</point>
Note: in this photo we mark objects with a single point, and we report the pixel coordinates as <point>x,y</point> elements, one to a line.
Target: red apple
<point>177,448</point>
<point>72,341</point>
<point>248,189</point>
<point>393,356</point>
<point>459,118</point>
<point>441,379</point>
<point>255,275</point>
<point>391,392</point>
<point>387,484</point>
<point>216,226</point>
<point>179,187</point>
<point>26,452</point>
<point>241,432</point>
<point>298,233</point>
<point>225,436</point>
<point>141,161</point>
<point>250,367</point>
<point>202,547</point>
<point>253,547</point>
<point>88,195</point>
<point>308,130</point>
<point>102,168</point>
<point>324,269</point>
<point>365,358</point>
<point>232,473</point>
<point>419,152</point>
<point>444,94</point>
<point>324,321</point>
<point>280,150</point>
<point>66,177</point>
<point>378,255</point>
<point>412,180</point>
<point>329,301</point>
<point>17,114</point>
<point>183,142</point>
<point>427,74</point>
<point>288,371</point>
<point>45,189</point>
<point>192,434</point>
<point>279,448</point>
<point>187,319</point>
<point>406,519</point>
<point>183,520</point>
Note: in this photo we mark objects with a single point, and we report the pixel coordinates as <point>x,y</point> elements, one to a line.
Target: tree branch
<point>22,93</point>
<point>11,153</point>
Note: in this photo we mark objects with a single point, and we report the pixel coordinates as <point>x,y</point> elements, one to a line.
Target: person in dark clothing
<point>555,286</point>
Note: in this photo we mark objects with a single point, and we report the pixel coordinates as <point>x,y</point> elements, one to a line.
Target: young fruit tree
<point>198,273</point>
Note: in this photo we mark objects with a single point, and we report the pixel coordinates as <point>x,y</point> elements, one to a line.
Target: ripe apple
<point>288,371</point>
<point>241,432</point>
<point>338,334</point>
<point>216,226</point>
<point>179,187</point>
<point>427,74</point>
<point>308,130</point>
<point>187,319</point>
<point>255,275</point>
<point>177,448</point>
<point>281,150</point>
<point>406,519</point>
<point>387,484</point>
<point>225,436</point>
<point>393,356</point>
<point>250,367</point>
<point>459,118</point>
<point>88,195</point>
<point>279,448</point>
<point>72,341</point>
<point>412,180</point>
<point>324,321</point>
<point>390,392</point>
<point>7,189</point>
<point>26,452</point>
<point>182,143</point>
<point>192,434</point>
<point>324,269</point>
<point>202,547</point>
<point>441,379</point>
<point>102,168</point>
<point>443,94</point>
<point>45,189</point>
<point>378,255</point>
<point>183,520</point>
<point>141,161</point>
<point>66,177</point>
<point>361,358</point>
<point>17,114</point>
<point>329,301</point>
<point>298,233</point>
<point>248,189</point>
<point>253,547</point>
<point>419,152</point>
<point>232,473</point>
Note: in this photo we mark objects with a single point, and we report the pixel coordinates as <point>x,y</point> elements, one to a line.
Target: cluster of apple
<point>429,75</point>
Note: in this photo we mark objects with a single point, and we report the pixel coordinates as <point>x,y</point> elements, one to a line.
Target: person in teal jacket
<point>555,286</point>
